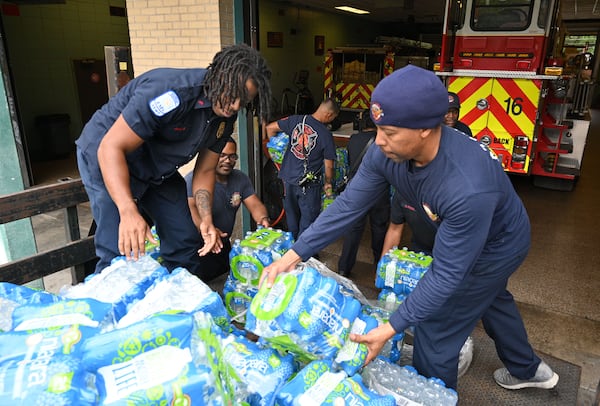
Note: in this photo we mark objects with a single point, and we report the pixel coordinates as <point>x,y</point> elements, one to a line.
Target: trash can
<point>53,131</point>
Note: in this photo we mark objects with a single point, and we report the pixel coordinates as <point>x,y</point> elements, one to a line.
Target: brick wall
<point>178,33</point>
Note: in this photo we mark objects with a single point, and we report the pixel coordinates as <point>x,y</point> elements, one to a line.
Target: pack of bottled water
<point>13,296</point>
<point>237,297</point>
<point>247,259</point>
<point>153,248</point>
<point>305,313</point>
<point>160,360</point>
<point>319,384</point>
<point>401,269</point>
<point>257,250</point>
<point>177,291</point>
<point>406,385</point>
<point>277,146</point>
<point>260,371</point>
<point>122,283</point>
<point>326,201</point>
<point>340,167</point>
<point>351,357</point>
<point>389,300</point>
<point>392,350</point>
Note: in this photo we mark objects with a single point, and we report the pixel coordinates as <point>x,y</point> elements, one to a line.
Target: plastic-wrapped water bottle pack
<point>247,259</point>
<point>277,146</point>
<point>406,385</point>
<point>400,270</point>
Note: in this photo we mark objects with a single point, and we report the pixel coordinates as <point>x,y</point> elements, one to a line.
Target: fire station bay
<point>521,79</point>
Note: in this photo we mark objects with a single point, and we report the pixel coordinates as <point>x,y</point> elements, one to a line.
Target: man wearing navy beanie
<point>482,233</point>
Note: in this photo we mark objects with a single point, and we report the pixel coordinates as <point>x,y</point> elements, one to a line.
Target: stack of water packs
<point>398,272</point>
<point>305,313</point>
<point>247,259</point>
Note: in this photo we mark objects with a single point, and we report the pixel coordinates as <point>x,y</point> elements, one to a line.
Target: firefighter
<point>232,189</point>
<point>311,149</point>
<point>483,233</point>
<point>129,154</point>
<point>451,117</point>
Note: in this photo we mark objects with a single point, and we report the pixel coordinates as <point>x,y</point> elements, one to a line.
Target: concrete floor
<point>557,288</point>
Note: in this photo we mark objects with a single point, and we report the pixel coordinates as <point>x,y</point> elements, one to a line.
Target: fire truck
<point>503,60</point>
<point>351,73</point>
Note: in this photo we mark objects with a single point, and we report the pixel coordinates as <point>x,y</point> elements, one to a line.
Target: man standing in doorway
<point>310,149</point>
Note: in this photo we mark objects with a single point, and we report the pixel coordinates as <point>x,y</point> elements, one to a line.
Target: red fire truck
<point>501,58</point>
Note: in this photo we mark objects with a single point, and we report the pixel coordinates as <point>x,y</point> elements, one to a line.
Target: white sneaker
<point>544,378</point>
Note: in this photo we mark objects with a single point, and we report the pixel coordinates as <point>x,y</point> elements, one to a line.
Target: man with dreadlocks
<point>130,151</point>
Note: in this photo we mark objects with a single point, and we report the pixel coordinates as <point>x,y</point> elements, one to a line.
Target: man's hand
<point>219,245</point>
<point>212,240</point>
<point>133,232</point>
<point>374,339</point>
<point>286,263</point>
<point>328,189</point>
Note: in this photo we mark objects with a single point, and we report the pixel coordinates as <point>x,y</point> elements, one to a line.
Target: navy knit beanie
<point>410,97</point>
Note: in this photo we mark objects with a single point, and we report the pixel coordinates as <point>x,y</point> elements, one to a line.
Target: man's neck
<point>222,178</point>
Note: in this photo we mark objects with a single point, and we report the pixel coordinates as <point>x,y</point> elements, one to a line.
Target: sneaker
<point>544,378</point>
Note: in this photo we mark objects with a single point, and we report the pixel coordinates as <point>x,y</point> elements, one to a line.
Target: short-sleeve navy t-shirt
<point>310,141</point>
<point>228,198</point>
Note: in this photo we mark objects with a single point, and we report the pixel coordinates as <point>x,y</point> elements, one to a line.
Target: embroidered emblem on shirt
<point>236,199</point>
<point>376,112</point>
<point>430,213</point>
<point>221,130</point>
<point>302,143</point>
<point>164,103</point>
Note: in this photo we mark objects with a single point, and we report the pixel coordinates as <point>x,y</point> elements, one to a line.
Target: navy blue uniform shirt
<point>157,106</point>
<point>463,192</point>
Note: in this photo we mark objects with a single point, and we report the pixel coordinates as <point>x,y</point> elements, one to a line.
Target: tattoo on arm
<point>203,202</point>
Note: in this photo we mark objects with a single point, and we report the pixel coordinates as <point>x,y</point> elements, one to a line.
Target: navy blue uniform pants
<point>165,204</point>
<point>482,295</point>
<point>379,217</point>
<point>302,206</point>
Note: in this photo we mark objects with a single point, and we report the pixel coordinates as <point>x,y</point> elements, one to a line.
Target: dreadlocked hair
<point>226,79</point>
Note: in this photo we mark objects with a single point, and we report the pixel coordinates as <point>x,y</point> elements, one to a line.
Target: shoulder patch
<point>164,103</point>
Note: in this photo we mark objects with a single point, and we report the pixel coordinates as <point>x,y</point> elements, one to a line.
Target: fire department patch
<point>164,103</point>
<point>236,199</point>
<point>376,112</point>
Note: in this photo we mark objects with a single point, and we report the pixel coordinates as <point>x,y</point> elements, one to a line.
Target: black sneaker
<point>544,378</point>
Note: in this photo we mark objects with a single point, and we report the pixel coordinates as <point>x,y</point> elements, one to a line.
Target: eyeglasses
<point>232,157</point>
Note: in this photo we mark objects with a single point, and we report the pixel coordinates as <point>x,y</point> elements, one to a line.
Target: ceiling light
<point>352,10</point>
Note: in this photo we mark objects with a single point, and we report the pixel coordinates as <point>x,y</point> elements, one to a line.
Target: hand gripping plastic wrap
<point>259,372</point>
<point>406,385</point>
<point>400,270</point>
<point>352,355</point>
<point>122,283</point>
<point>277,146</point>
<point>318,384</point>
<point>392,350</point>
<point>305,313</point>
<point>247,259</point>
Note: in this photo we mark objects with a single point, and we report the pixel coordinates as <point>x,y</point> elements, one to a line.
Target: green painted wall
<point>42,42</point>
<point>16,238</point>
